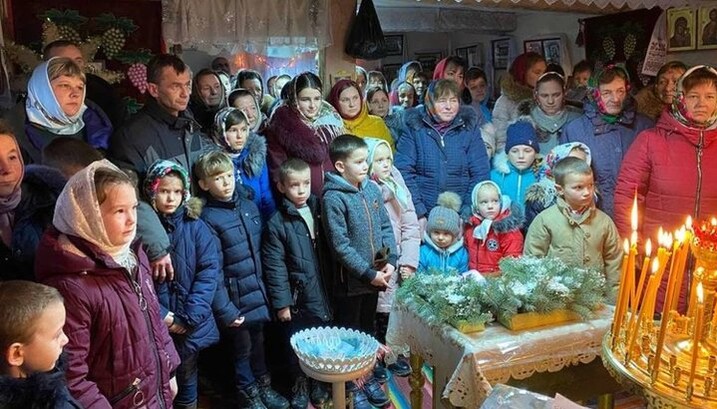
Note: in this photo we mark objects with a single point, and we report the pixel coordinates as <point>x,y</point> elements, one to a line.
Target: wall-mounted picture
<point>535,46</point>
<point>681,29</point>
<point>500,50</point>
<point>394,44</point>
<point>390,71</point>
<point>473,55</point>
<point>429,60</point>
<point>707,28</point>
<point>552,50</point>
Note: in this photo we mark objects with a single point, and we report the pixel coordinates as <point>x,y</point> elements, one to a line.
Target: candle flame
<point>626,246</point>
<point>680,235</point>
<point>648,248</point>
<point>688,223</point>
<point>633,237</point>
<point>713,221</point>
<point>655,265</point>
<point>700,294</point>
<point>633,214</point>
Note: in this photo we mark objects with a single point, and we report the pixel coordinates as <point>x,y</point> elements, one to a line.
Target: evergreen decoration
<point>446,299</point>
<point>531,284</point>
<point>132,105</point>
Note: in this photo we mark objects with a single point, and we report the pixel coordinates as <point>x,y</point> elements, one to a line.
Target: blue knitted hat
<point>521,133</point>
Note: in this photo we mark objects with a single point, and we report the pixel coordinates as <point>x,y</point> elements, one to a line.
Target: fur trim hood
<point>417,118</point>
<point>39,391</point>
<point>488,133</point>
<point>514,90</point>
<point>255,158</point>
<point>542,192</point>
<point>299,139</point>
<point>501,164</point>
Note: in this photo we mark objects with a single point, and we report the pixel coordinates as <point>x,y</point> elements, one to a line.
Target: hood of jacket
<point>502,164</point>
<point>671,125</point>
<point>510,219</point>
<point>253,156</point>
<point>417,118</point>
<point>514,90</point>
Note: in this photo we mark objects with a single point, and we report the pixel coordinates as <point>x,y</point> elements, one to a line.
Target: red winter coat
<point>504,240</point>
<point>674,169</point>
<point>113,342</point>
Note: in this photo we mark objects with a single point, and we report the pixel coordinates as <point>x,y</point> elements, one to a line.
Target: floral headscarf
<point>679,108</point>
<point>595,97</point>
<point>159,170</point>
<point>78,214</point>
<point>219,133</point>
<point>42,108</point>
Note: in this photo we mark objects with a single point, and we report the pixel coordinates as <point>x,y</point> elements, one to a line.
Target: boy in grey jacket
<point>361,239</point>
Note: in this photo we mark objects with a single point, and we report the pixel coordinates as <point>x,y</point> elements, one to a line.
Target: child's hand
<point>177,329</point>
<point>237,322</point>
<point>162,269</point>
<point>173,388</point>
<point>381,279</point>
<point>169,319</point>
<point>388,269</point>
<point>284,314</point>
<point>406,272</point>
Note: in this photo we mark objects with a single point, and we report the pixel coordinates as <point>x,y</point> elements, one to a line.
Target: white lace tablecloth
<point>466,365</point>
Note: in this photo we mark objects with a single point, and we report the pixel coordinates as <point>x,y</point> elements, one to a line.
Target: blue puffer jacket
<point>452,260</point>
<point>432,163</point>
<point>196,267</point>
<point>608,144</point>
<point>238,226</point>
<point>251,170</point>
<point>40,187</point>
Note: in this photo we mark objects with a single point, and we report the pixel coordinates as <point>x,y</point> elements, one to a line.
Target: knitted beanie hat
<point>445,215</point>
<point>521,132</point>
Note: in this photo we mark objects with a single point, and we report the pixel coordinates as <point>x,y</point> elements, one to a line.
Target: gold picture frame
<point>707,28</point>
<point>681,29</point>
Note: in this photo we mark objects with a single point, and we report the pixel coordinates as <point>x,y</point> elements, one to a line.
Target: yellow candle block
<point>622,296</point>
<point>696,334</point>
<point>643,274</point>
<point>652,285</point>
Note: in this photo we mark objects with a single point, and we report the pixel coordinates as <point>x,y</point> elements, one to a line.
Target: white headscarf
<point>77,213</point>
<point>42,108</point>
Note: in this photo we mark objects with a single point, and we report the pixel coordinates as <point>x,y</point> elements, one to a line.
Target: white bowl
<point>334,350</point>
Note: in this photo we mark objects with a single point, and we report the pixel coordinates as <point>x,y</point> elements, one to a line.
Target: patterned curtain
<point>249,26</point>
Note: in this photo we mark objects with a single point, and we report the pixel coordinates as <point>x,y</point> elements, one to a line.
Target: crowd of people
<point>225,203</point>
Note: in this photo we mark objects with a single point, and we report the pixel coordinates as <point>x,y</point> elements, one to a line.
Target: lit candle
<point>696,334</point>
<point>663,324</point>
<point>622,295</point>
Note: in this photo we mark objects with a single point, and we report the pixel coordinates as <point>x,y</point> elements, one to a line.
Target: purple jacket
<point>120,355</point>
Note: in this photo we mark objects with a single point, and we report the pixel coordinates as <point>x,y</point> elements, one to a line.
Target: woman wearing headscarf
<point>672,166</point>
<point>56,106</point>
<point>243,100</point>
<point>119,352</point>
<point>349,103</point>
<point>440,149</point>
<point>27,202</point>
<point>548,110</point>
<point>608,127</point>
<point>207,98</point>
<point>516,86</point>
<point>657,97</point>
<point>303,128</point>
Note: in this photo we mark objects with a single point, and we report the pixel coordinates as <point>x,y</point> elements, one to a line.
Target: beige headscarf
<point>77,213</point>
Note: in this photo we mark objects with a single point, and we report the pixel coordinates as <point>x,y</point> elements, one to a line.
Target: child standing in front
<point>31,340</point>
<point>294,253</point>
<point>442,249</point>
<point>185,302</point>
<point>493,230</point>
<point>236,222</point>
<point>406,231</point>
<point>573,229</point>
<point>362,242</point>
<point>514,171</point>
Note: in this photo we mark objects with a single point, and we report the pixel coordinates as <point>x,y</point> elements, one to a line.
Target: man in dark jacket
<point>162,129</point>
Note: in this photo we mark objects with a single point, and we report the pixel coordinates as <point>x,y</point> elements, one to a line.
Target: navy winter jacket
<point>40,187</point>
<point>189,296</point>
<point>608,144</point>
<point>294,263</point>
<point>357,227</point>
<point>432,163</point>
<point>238,226</point>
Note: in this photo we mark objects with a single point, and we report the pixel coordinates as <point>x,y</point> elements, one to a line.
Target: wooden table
<point>466,365</point>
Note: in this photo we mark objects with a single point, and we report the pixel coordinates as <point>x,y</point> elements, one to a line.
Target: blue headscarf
<point>42,108</point>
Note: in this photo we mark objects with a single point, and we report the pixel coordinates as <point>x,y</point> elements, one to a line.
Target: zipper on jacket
<point>698,193</point>
<point>138,288</point>
<point>133,387</point>
<point>370,227</point>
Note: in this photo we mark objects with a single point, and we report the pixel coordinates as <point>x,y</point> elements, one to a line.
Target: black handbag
<point>365,40</point>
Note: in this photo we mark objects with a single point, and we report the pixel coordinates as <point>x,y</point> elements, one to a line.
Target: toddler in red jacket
<point>493,230</point>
